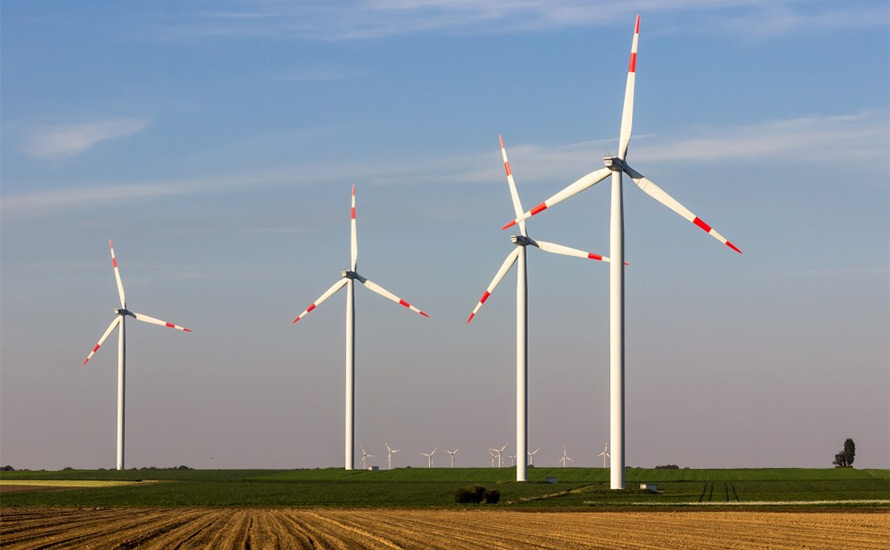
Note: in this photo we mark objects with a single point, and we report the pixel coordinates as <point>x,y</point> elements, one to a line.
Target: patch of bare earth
<point>259,529</point>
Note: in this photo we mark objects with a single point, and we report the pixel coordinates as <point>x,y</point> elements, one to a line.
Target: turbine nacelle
<point>347,274</point>
<point>122,311</point>
<point>522,240</point>
<point>615,164</point>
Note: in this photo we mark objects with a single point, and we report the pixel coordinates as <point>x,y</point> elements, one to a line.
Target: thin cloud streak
<point>864,137</point>
<point>375,19</point>
<point>60,141</point>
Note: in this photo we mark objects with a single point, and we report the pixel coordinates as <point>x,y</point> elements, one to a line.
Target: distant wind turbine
<point>348,280</point>
<point>498,452</point>
<point>389,452</point>
<point>531,456</point>
<point>615,166</point>
<point>121,314</point>
<point>452,453</point>
<point>517,256</point>
<point>365,457</point>
<point>565,457</point>
<point>605,454</point>
<point>429,457</point>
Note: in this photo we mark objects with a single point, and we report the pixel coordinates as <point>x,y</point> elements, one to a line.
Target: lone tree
<point>845,458</point>
<point>849,451</point>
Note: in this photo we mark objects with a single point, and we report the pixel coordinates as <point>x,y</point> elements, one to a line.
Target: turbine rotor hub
<point>522,240</point>
<point>615,164</point>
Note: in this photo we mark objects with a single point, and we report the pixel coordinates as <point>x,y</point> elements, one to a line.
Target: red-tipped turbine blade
<point>152,320</point>
<point>108,331</point>
<point>659,194</point>
<point>327,294</point>
<point>505,267</point>
<point>567,251</point>
<point>576,187</point>
<point>627,114</point>
<point>374,287</point>
<point>353,242</point>
<point>117,276</point>
<point>514,194</point>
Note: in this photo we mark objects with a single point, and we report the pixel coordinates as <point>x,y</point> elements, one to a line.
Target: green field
<point>422,488</point>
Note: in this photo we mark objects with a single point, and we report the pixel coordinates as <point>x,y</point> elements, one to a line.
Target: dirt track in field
<point>258,529</point>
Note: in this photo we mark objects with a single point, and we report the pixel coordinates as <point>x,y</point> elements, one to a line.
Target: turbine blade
<point>627,115</point>
<point>514,194</point>
<point>152,320</point>
<point>566,251</point>
<point>108,331</point>
<point>117,277</point>
<point>581,184</point>
<point>659,194</point>
<point>353,243</point>
<point>505,267</point>
<point>327,294</point>
<point>374,287</point>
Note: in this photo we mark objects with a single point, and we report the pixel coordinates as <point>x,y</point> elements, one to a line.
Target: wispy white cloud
<point>369,19</point>
<point>59,141</point>
<point>862,137</point>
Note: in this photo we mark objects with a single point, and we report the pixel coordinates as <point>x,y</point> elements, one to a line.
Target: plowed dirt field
<point>257,529</point>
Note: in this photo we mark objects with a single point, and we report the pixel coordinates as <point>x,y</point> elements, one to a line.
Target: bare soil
<point>257,529</point>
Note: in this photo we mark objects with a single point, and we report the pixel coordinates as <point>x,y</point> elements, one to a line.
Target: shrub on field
<point>667,467</point>
<point>492,496</point>
<point>469,495</point>
<point>7,468</point>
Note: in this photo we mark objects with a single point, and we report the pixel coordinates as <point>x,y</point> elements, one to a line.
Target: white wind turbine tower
<point>365,457</point>
<point>121,314</point>
<point>498,453</point>
<point>348,280</point>
<point>452,453</point>
<point>493,454</point>
<point>531,456</point>
<point>518,256</point>
<point>389,452</point>
<point>605,454</point>
<point>429,457</point>
<point>565,457</point>
<point>615,166</point>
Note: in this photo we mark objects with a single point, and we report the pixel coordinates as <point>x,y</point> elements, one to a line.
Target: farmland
<point>415,508</point>
<point>434,488</point>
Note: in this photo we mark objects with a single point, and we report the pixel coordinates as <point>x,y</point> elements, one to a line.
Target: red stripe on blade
<point>171,325</point>
<point>633,63</point>
<point>96,348</point>
<point>538,208</point>
<point>509,225</point>
<point>114,261</point>
<point>187,329</point>
<point>637,29</point>
<point>310,308</point>
<point>732,246</point>
<point>352,214</point>
<point>404,303</point>
<point>485,297</point>
<point>470,318</point>
<point>703,225</point>
<point>593,256</point>
<point>507,168</point>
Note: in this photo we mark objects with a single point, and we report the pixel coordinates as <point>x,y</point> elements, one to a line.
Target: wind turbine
<point>452,453</point>
<point>565,457</point>
<point>531,456</point>
<point>498,452</point>
<point>121,314</point>
<point>493,454</point>
<point>512,459</point>
<point>517,256</point>
<point>365,457</point>
<point>615,166</point>
<point>605,454</point>
<point>389,452</point>
<point>348,280</point>
<point>429,457</point>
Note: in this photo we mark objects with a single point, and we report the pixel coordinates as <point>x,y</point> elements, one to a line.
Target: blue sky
<point>216,144</point>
